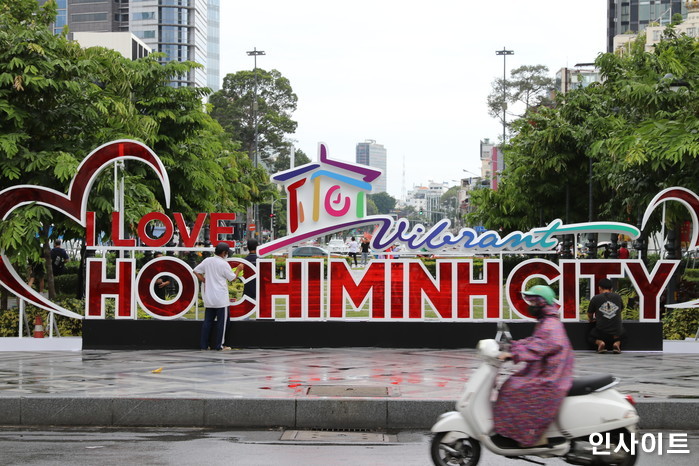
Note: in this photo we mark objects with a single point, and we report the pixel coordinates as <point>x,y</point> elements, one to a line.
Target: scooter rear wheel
<point>464,451</point>
<point>623,457</point>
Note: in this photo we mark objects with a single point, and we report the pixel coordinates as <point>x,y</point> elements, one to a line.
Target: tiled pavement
<point>356,387</point>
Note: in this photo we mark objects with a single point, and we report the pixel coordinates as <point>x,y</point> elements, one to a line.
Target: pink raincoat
<point>529,400</point>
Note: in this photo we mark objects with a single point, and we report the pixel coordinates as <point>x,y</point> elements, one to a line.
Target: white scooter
<point>591,407</point>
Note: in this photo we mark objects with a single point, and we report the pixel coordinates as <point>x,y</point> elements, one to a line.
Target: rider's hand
<point>504,356</point>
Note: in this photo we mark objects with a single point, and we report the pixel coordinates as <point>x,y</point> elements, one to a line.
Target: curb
<point>298,413</point>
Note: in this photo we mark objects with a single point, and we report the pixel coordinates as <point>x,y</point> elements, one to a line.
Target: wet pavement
<point>414,374</point>
<point>378,387</point>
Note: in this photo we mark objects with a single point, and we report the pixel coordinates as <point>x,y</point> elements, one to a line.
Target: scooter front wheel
<point>462,451</point>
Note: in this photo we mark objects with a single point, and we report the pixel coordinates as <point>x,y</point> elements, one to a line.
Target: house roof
<point>365,172</point>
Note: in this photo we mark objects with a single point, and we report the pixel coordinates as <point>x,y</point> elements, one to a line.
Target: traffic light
<point>272,215</point>
<point>420,212</point>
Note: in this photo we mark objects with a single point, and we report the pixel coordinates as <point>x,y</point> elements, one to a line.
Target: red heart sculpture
<point>74,205</point>
<point>685,197</point>
<point>691,202</point>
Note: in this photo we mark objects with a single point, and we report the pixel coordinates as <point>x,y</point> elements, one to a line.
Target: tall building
<point>374,155</point>
<point>185,30</point>
<point>654,33</point>
<point>213,71</point>
<point>634,16</point>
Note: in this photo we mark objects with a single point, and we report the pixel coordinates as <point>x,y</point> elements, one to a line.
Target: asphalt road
<point>179,446</point>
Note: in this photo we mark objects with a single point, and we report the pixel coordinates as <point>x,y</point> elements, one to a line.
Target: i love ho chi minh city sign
<point>326,197</point>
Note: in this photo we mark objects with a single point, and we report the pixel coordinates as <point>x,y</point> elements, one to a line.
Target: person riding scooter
<point>528,401</point>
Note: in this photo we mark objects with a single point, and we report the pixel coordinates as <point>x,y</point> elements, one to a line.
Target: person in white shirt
<point>353,249</point>
<point>214,273</point>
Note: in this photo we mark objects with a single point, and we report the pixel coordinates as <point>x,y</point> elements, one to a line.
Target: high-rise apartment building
<point>374,155</point>
<point>635,15</point>
<point>185,30</point>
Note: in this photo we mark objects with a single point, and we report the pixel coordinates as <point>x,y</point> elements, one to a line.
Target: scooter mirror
<point>503,334</point>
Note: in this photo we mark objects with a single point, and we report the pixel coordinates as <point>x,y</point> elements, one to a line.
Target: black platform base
<point>184,334</point>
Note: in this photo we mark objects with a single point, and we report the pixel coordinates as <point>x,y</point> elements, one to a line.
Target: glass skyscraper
<point>178,28</point>
<point>214,46</point>
<point>185,30</point>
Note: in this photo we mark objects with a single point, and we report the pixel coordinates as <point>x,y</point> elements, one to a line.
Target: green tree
<point>241,106</point>
<point>528,85</point>
<point>385,203</point>
<point>59,102</point>
<point>638,134</point>
<point>283,162</point>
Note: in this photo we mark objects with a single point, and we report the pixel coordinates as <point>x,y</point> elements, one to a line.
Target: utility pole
<point>504,52</point>
<point>256,210</point>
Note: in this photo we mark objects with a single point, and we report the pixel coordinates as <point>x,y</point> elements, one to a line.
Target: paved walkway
<point>364,388</point>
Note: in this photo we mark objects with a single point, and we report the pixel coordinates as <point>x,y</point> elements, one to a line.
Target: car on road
<point>337,246</point>
<point>309,251</point>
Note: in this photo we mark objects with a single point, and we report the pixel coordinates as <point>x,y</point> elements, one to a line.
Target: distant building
<point>654,32</point>
<point>492,162</point>
<point>464,194</point>
<point>427,199</point>
<point>582,75</point>
<point>125,43</point>
<point>185,30</point>
<point>624,16</point>
<point>374,155</point>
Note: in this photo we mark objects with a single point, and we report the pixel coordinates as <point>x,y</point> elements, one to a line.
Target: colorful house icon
<point>324,193</point>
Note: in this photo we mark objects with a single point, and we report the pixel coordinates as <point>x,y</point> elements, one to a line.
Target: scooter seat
<point>588,384</point>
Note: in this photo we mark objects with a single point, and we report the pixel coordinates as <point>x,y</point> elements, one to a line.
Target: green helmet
<point>542,291</point>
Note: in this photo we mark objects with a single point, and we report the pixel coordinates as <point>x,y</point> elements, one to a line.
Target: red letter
<point>599,269</point>
<point>519,277</point>
<point>245,305</point>
<point>116,239</point>
<point>189,239</point>
<point>569,290</point>
<point>175,268</point>
<point>341,281</point>
<point>649,290</point>
<point>215,229</point>
<point>99,287</point>
<point>155,242</point>
<point>440,297</point>
<point>489,287</point>
<point>90,229</point>
<point>314,293</point>
<point>397,291</point>
<point>269,287</point>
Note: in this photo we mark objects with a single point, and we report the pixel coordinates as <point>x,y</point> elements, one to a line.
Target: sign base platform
<point>184,334</point>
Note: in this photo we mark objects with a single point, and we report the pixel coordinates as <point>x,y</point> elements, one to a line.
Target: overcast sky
<point>412,75</point>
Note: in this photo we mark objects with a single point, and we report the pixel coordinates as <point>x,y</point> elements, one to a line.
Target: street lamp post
<point>504,52</point>
<point>255,53</point>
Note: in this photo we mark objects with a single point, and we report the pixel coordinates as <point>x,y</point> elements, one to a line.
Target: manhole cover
<point>337,436</point>
<point>348,390</point>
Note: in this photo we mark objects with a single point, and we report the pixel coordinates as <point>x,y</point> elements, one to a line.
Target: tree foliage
<point>528,85</point>
<point>59,102</point>
<point>385,203</point>
<point>234,108</point>
<point>638,133</point>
